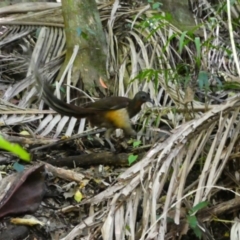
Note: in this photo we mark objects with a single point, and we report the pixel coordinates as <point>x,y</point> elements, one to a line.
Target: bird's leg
<point>128,131</point>
<point>108,134</point>
<point>113,138</point>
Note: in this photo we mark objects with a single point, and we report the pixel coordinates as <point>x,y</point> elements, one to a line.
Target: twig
<point>26,140</point>
<point>67,140</point>
<point>65,174</point>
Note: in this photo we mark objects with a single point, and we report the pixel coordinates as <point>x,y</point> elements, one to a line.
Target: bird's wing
<point>109,103</point>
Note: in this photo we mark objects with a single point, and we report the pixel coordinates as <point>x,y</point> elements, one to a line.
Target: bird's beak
<point>150,100</point>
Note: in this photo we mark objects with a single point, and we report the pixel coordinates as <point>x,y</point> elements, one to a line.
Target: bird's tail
<point>58,105</point>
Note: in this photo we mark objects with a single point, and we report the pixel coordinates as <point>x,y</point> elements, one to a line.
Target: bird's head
<point>142,97</point>
<point>136,103</point>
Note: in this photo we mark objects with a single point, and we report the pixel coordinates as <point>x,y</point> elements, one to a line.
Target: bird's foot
<point>111,145</point>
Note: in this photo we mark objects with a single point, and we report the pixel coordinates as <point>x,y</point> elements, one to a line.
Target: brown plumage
<point>109,112</point>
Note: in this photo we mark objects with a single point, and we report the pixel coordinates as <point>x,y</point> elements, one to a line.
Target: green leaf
<point>78,196</point>
<point>85,35</point>
<point>136,143</point>
<point>203,80</point>
<point>132,158</point>
<point>168,16</point>
<point>198,47</point>
<point>198,207</point>
<point>198,232</point>
<point>146,74</point>
<point>192,221</point>
<point>182,43</point>
<point>231,86</point>
<point>18,167</point>
<point>128,228</point>
<point>15,149</point>
<point>156,5</point>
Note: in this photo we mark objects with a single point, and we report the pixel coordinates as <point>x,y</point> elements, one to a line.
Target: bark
<point>83,27</point>
<point>93,159</point>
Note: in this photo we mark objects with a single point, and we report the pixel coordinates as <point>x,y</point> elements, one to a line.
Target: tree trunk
<point>83,27</point>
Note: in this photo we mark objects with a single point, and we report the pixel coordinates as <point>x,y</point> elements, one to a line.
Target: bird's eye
<point>143,97</point>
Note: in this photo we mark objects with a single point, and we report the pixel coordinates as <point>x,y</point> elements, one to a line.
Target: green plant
<point>192,219</point>
<point>15,149</point>
<point>132,158</point>
<point>148,75</point>
<point>204,81</point>
<point>155,5</point>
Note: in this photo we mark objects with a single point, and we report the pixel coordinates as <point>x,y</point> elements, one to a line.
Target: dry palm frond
<point>132,48</point>
<point>137,41</point>
<point>17,115</point>
<point>218,52</point>
<point>141,187</point>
